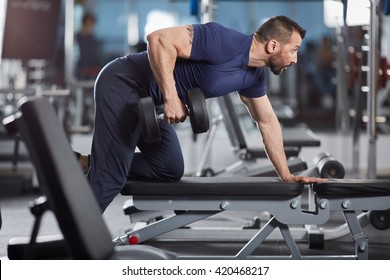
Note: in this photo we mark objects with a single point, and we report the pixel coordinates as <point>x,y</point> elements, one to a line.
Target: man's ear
<point>272,46</point>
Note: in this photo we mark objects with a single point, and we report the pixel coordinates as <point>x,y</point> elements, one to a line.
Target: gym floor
<point>18,221</point>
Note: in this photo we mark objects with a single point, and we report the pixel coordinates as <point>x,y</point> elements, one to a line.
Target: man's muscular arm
<point>164,47</point>
<point>263,114</point>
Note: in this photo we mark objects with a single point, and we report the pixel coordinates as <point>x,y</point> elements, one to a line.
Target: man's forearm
<point>273,144</point>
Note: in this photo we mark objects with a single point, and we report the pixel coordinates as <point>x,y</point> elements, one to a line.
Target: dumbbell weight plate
<point>148,119</point>
<point>380,219</point>
<point>199,117</point>
<point>328,166</point>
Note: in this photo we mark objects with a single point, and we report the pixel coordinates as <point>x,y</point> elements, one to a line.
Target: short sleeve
<point>257,89</point>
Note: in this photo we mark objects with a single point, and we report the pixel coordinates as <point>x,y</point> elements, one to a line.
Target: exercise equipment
<point>368,75</point>
<point>193,199</point>
<point>325,165</point>
<point>372,85</point>
<point>68,194</point>
<point>197,112</point>
<point>380,219</point>
<point>15,161</point>
<point>242,228</point>
<point>328,166</point>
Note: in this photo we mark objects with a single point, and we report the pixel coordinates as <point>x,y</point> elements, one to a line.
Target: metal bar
<point>68,42</point>
<point>166,225</point>
<point>360,240</point>
<point>372,84</point>
<point>257,239</point>
<point>292,246</point>
<point>210,139</point>
<point>342,117</point>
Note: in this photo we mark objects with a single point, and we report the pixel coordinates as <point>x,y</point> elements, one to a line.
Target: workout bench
<point>193,199</point>
<point>237,227</point>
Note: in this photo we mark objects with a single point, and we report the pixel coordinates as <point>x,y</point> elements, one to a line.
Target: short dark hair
<point>279,28</point>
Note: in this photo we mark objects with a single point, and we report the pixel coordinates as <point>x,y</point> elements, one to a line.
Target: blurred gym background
<point>56,48</point>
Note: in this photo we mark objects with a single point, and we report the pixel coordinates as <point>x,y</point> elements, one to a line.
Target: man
<point>214,58</point>
<point>88,64</point>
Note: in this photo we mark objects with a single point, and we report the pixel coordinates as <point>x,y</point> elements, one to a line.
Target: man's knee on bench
<point>166,175</point>
<point>83,161</point>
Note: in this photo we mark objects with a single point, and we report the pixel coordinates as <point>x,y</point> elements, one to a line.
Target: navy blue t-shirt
<point>217,65</point>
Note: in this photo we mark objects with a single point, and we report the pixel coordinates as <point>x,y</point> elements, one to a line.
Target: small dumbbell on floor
<point>328,166</point>
<point>197,112</point>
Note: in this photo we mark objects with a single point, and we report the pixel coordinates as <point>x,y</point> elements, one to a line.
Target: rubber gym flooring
<point>18,221</point>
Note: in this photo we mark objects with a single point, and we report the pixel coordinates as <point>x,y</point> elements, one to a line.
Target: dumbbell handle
<point>160,117</point>
<point>196,111</point>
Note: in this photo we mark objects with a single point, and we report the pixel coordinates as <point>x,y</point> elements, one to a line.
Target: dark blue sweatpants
<point>117,133</point>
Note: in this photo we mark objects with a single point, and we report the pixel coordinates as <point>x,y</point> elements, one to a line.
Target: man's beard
<point>275,64</point>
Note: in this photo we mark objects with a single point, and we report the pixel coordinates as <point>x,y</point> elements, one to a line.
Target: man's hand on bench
<point>303,179</point>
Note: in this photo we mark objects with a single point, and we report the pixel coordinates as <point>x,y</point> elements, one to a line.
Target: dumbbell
<point>328,166</point>
<point>325,166</point>
<point>149,119</point>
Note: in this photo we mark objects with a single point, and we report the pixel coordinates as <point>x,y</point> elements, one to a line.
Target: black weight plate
<point>380,219</point>
<point>148,120</point>
<point>328,166</point>
<point>199,116</point>
<point>332,169</point>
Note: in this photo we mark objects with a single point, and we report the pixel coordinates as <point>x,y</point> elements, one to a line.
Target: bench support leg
<point>163,226</point>
<point>248,249</point>
<point>360,240</point>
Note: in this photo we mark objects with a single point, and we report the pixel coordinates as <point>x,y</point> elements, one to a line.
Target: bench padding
<point>216,186</point>
<point>348,188</point>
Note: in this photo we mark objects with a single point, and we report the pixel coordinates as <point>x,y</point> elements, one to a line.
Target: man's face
<point>286,56</point>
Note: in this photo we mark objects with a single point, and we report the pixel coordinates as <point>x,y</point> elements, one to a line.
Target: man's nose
<point>294,60</point>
